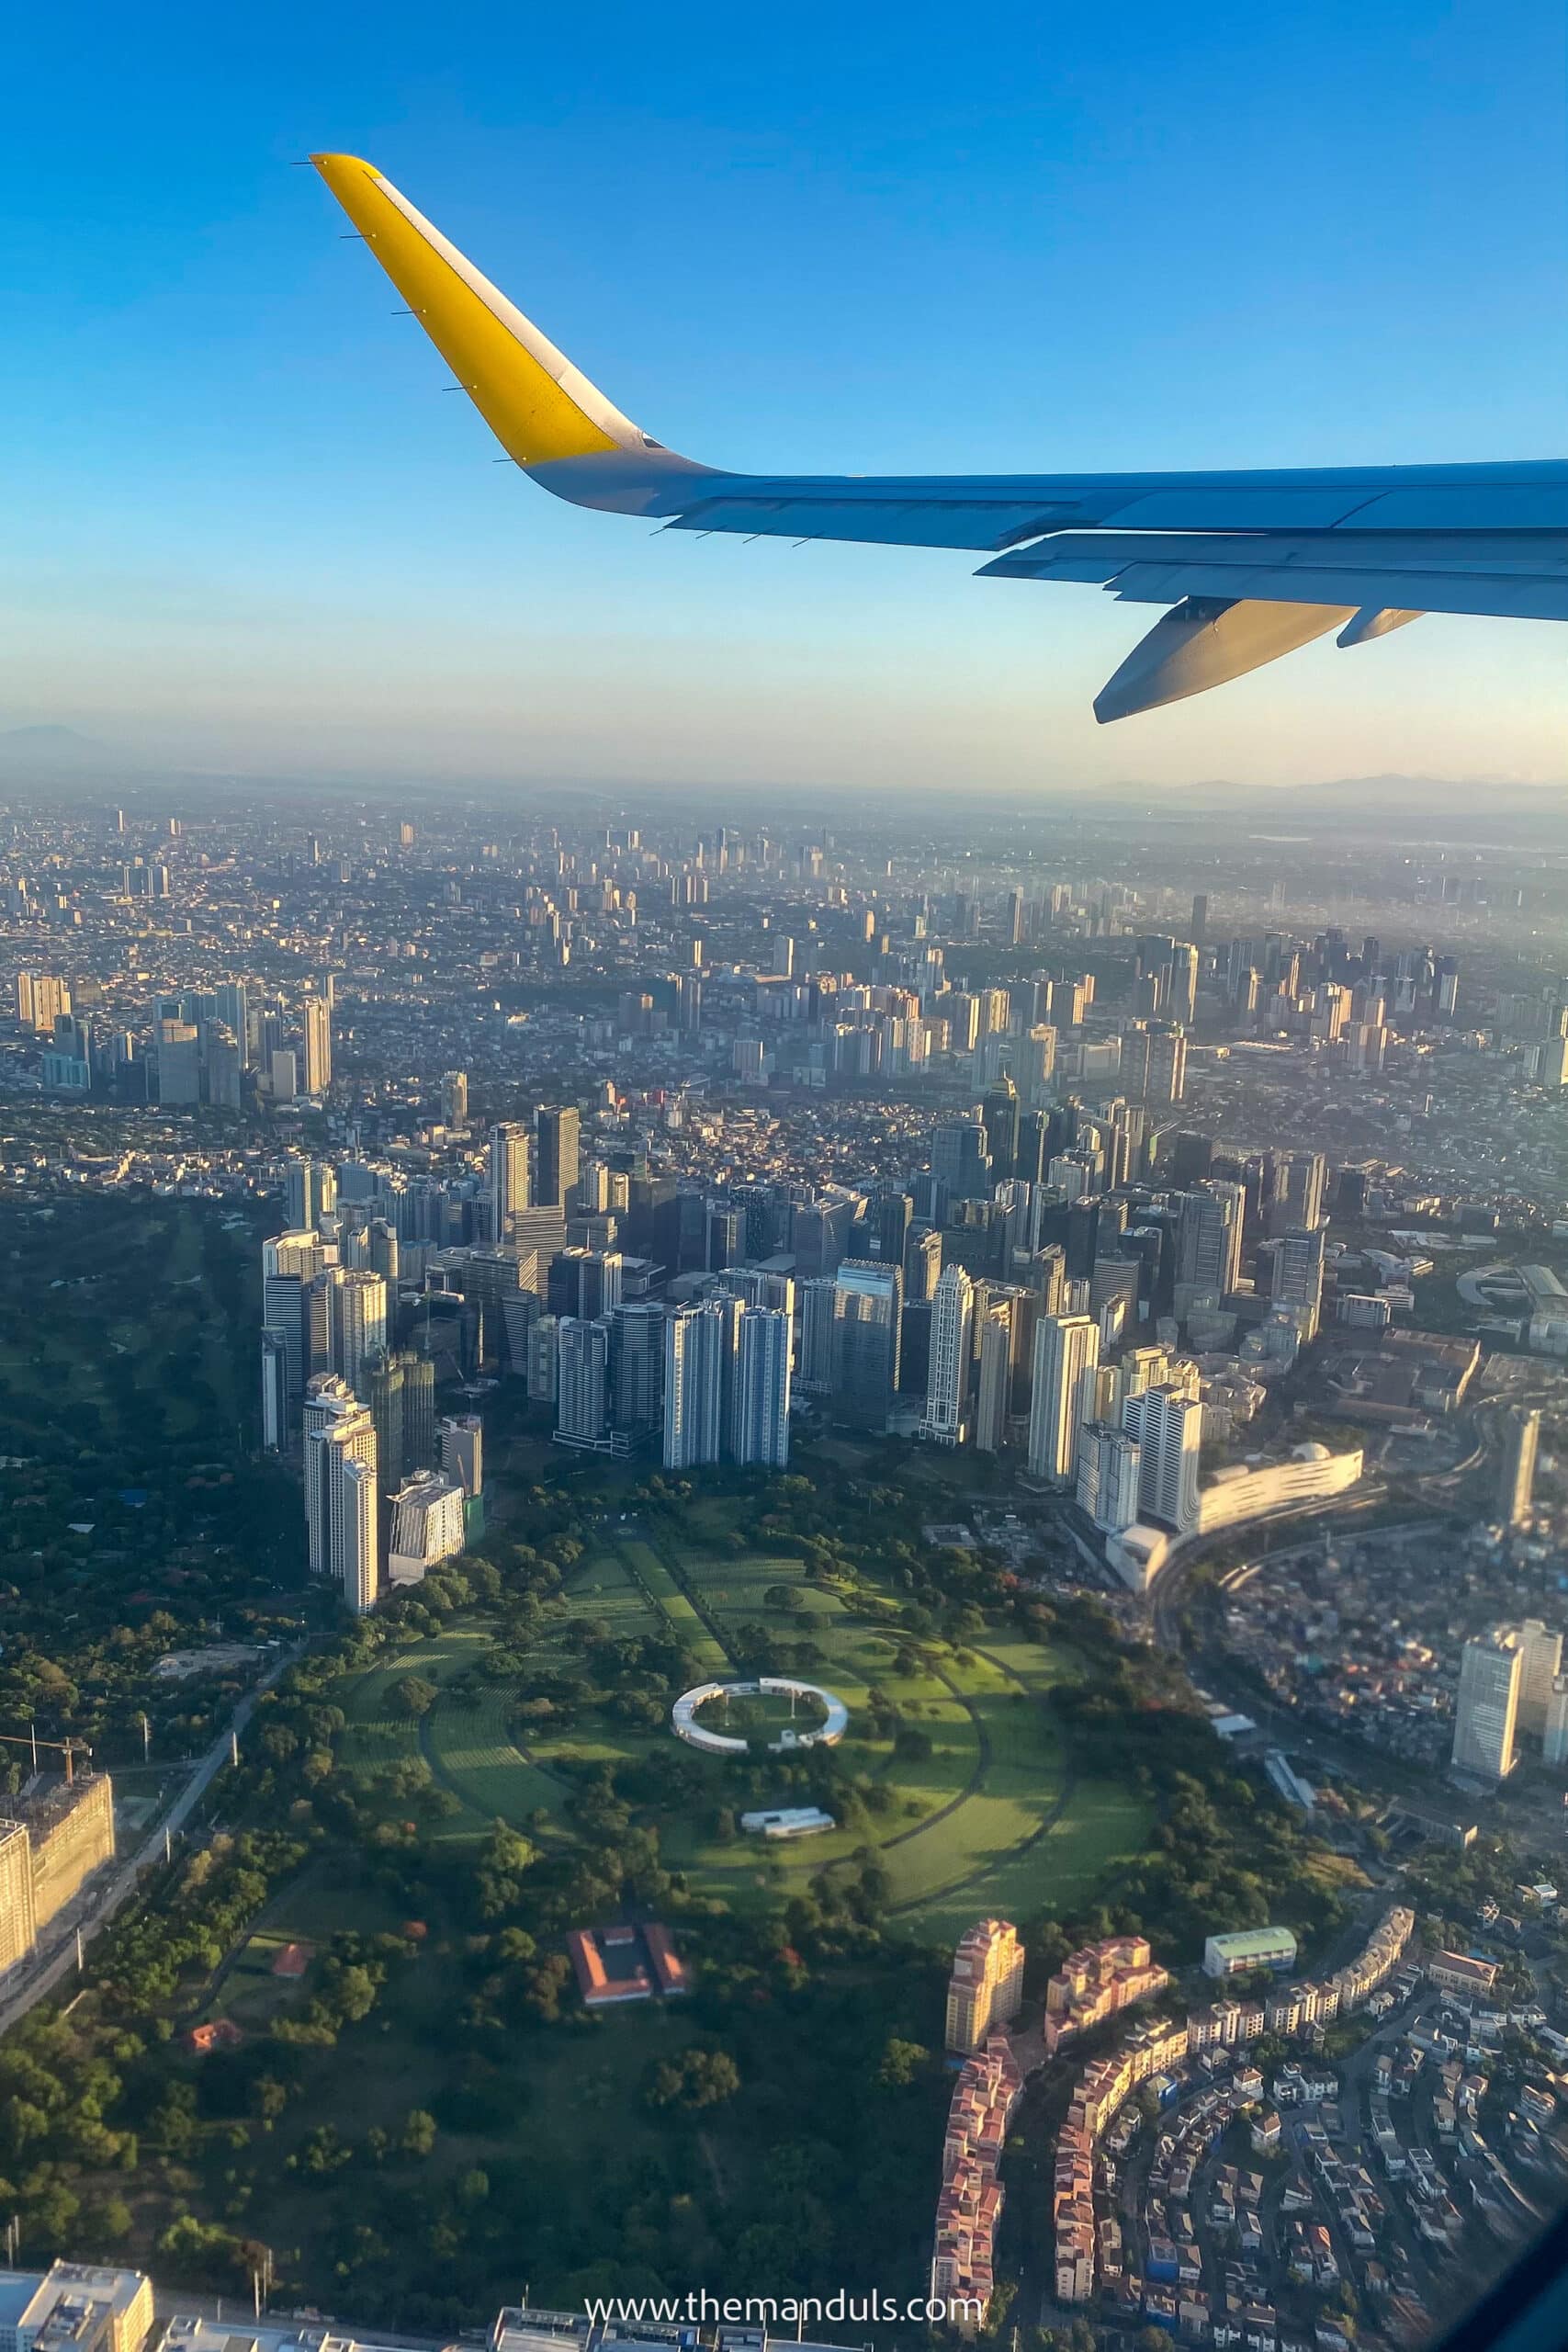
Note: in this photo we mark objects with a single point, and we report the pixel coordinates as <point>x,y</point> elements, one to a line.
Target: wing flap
<point>1516,578</point>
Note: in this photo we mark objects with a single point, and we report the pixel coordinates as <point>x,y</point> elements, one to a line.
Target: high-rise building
<point>1298,1276</point>
<point>814,1366</point>
<point>543,1367</point>
<point>342,1493</point>
<point>386,1400</point>
<point>1067,1352</point>
<point>1300,1178</point>
<point>311,1193</point>
<point>179,1062</point>
<point>947,1382</point>
<point>42,1001</point>
<point>868,1301</point>
<point>419,1412</point>
<point>1515,1484</point>
<point>557,1145</point>
<point>984,1991</point>
<point>508,1179</point>
<point>760,1407</point>
<point>1109,1476</point>
<point>697,1371</point>
<point>274,1414</point>
<point>1167,1425</point>
<point>1209,1238</point>
<point>461,1439</point>
<point>454,1099</point>
<point>1555,1739</point>
<point>636,1367</point>
<point>1486,1711</point>
<point>357,1533</point>
<point>358,1302</point>
<point>584,1282</point>
<point>290,1262</point>
<point>317,1027</point>
<point>993,1402</point>
<point>582,1382</point>
<point>18,1928</point>
<point>1540,1655</point>
<point>960,1160</point>
<point>1167,1080</point>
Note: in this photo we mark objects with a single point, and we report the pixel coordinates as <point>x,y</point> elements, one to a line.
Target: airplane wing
<point>1249,564</point>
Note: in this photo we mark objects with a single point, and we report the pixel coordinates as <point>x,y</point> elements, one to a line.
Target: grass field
<point>991,1818</point>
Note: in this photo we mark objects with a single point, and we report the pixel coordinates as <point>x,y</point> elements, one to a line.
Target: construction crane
<point>69,1749</point>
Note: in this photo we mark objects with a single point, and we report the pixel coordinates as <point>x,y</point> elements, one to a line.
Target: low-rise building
<point>1238,1953</point>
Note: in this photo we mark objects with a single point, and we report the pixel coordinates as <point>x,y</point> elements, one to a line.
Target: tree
<point>413,1696</point>
<point>418,2133</point>
<point>698,2078</point>
<point>902,2063</point>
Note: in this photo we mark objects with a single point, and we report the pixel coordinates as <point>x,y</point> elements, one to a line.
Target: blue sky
<point>247,529</point>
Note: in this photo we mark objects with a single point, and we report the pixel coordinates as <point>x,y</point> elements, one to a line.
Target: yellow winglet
<point>536,403</point>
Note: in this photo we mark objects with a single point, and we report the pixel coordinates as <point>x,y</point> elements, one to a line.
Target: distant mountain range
<point>51,750</point>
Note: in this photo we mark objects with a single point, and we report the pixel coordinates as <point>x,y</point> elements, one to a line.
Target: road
<point>53,1961</point>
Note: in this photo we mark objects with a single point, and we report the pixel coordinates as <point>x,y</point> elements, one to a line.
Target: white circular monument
<point>827,1734</point>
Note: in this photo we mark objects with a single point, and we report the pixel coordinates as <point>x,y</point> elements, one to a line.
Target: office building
<point>461,1437</point>
<point>1540,1663</point>
<point>961,1162</point>
<point>1298,1276</point>
<point>557,1147</point>
<point>75,2307</point>
<point>1555,1739</point>
<point>1487,1708</point>
<point>947,1379</point>
<point>1167,1425</point>
<point>984,1991</point>
<point>1209,1239</point>
<point>427,1526</point>
<point>994,1365</point>
<point>1515,1484</point>
<point>386,1375</point>
<point>318,1028</point>
<point>509,1194</point>
<point>419,1412</point>
<point>814,1366</point>
<point>455,1099</point>
<point>760,1409</point>
<point>1067,1352</point>
<point>178,1065</point>
<point>290,1262</point>
<point>311,1193</point>
<point>1300,1179</point>
<point>868,1302</point>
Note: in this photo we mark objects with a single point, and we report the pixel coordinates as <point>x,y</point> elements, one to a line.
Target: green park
<point>964,1787</point>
